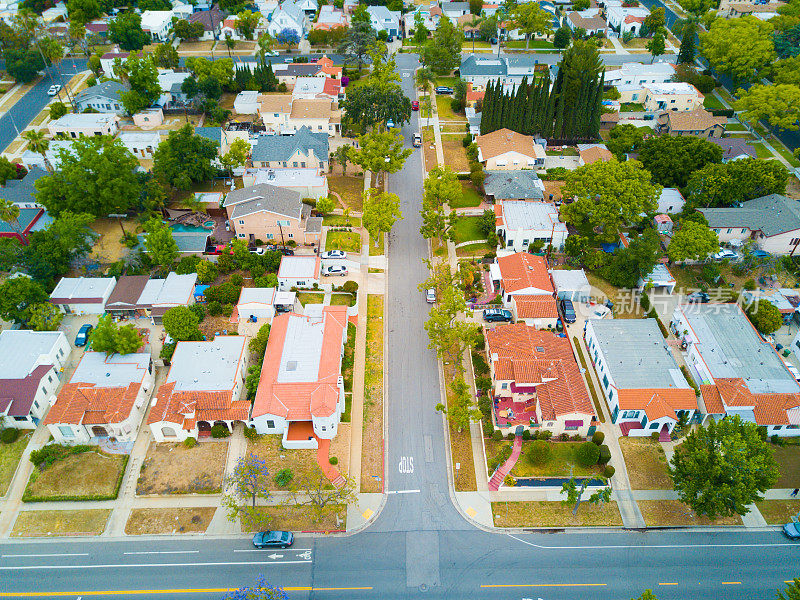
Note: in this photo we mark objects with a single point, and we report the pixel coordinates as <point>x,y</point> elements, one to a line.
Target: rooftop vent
<point>291,365</point>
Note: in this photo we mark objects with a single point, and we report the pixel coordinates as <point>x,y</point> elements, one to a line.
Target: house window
<point>271,424</point>
<point>50,378</point>
<point>653,425</point>
<point>241,235</point>
<point>241,222</point>
<point>323,428</point>
<point>269,236</point>
<point>284,163</point>
<point>729,230</point>
<point>44,389</point>
<point>66,431</point>
<point>635,97</point>
<point>672,101</point>
<point>61,352</point>
<point>605,381</point>
<point>21,419</point>
<point>303,164</point>
<point>794,242</point>
<point>503,386</point>
<point>276,114</point>
<point>291,235</point>
<point>744,230</point>
<point>294,164</point>
<point>571,428</point>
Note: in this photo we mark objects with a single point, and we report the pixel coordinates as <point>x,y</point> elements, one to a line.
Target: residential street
<point>419,545</point>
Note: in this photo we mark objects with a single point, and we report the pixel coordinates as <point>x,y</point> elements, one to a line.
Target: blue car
<point>760,253</point>
<point>273,539</point>
<point>83,335</point>
<point>792,531</point>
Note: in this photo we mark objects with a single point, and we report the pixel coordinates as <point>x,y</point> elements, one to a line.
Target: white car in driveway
<point>339,270</point>
<point>724,253</point>
<point>334,254</point>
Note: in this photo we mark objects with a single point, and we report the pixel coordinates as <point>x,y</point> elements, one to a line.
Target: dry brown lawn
<point>174,469</point>
<point>349,189</point>
<point>429,147</point>
<point>553,187</point>
<point>40,523</point>
<point>78,475</point>
<point>15,146</point>
<point>778,512</point>
<point>109,247</point>
<point>303,463</point>
<point>460,445</point>
<point>340,448</point>
<point>372,444</point>
<point>301,518</point>
<point>202,46</point>
<point>554,514</point>
<point>153,521</point>
<point>455,156</point>
<point>659,513</point>
<point>10,455</point>
<point>213,326</point>
<point>646,464</point>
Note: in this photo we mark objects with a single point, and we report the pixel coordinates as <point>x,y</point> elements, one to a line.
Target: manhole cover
<point>423,587</point>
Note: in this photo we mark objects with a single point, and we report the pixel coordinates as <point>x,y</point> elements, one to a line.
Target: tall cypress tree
<point>488,109</point>
<point>596,109</point>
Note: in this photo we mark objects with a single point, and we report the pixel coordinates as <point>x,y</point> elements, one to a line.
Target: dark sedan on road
<point>273,539</point>
<point>83,335</point>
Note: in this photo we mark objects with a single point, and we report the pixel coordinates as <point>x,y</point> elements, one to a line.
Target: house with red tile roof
<point>523,282</point>
<point>31,363</point>
<point>105,398</point>
<point>644,388</point>
<point>738,372</point>
<point>203,388</point>
<point>536,381</point>
<point>301,391</point>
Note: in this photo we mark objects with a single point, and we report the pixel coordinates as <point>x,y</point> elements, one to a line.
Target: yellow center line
<point>667,584</point>
<point>731,583</point>
<point>175,591</point>
<point>525,585</point>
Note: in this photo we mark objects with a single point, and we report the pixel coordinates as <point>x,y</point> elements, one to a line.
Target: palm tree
<point>9,212</point>
<point>40,144</point>
<point>265,43</point>
<point>473,24</point>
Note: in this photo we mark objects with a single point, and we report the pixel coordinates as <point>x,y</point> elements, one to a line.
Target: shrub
<point>251,433</point>
<point>227,309</point>
<point>199,310</point>
<point>509,481</point>
<point>775,439</point>
<point>50,453</point>
<point>189,442</point>
<point>539,452</point>
<point>291,243</point>
<point>750,285</point>
<point>644,302</point>
<point>283,477</point>
<point>351,287</point>
<point>526,435</point>
<point>598,437</point>
<point>9,435</point>
<point>333,460</point>
<point>587,454</point>
<point>214,308</point>
<point>654,436</point>
<point>477,178</point>
<point>563,437</point>
<point>500,458</point>
<point>510,436</point>
<point>605,454</point>
<point>608,471</point>
<point>466,140</point>
<point>545,434</point>
<point>220,430</point>
<point>237,279</point>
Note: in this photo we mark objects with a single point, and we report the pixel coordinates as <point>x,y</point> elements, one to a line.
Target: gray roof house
<point>383,19</point>
<point>275,148</point>
<point>265,197</point>
<point>105,97</point>
<point>514,185</point>
<point>23,191</point>
<point>773,222</point>
<point>511,69</point>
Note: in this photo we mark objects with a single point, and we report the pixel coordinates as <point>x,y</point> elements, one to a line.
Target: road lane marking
<point>731,583</point>
<point>176,591</point>
<point>403,491</point>
<point>406,465</point>
<point>526,585</point>
<point>667,584</point>
<point>117,566</point>
<point>303,550</point>
<point>166,552</point>
<point>649,546</point>
<point>43,555</point>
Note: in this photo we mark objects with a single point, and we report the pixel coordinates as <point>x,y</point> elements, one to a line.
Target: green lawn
<point>469,198</point>
<point>444,110</point>
<point>446,81</point>
<point>561,463</point>
<point>341,221</point>
<point>786,154</point>
<point>9,458</point>
<point>565,152</point>
<point>343,299</point>
<point>471,250</point>
<point>376,246</point>
<point>532,45</point>
<point>762,151</point>
<point>711,102</point>
<point>788,459</point>
<point>310,297</point>
<point>468,229</point>
<point>735,127</point>
<point>631,107</point>
<point>349,241</point>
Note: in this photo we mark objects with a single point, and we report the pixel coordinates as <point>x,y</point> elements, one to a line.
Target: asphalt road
<point>419,546</point>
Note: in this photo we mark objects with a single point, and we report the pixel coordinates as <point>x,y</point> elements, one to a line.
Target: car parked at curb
<point>334,254</point>
<point>53,90</point>
<point>792,531</point>
<point>415,105</point>
<point>430,296</point>
<point>83,335</point>
<point>493,315</point>
<point>417,140</point>
<point>443,90</point>
<point>273,539</point>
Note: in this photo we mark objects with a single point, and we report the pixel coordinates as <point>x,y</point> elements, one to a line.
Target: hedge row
<point>68,498</point>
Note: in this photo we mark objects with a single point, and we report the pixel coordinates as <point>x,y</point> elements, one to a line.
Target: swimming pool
<point>189,229</point>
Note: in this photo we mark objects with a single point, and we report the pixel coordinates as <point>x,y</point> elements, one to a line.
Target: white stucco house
<point>82,295</point>
<point>520,224</point>
<point>298,271</point>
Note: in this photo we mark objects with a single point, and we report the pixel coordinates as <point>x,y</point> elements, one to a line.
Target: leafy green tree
<point>647,595</point>
<point>126,30</point>
<point>58,110</point>
<point>326,205</point>
<point>460,409</point>
<point>655,20</point>
<point>672,160</point>
<point>180,322</point>
<point>381,210</point>
<point>17,296</point>
<point>531,19</point>
<point>442,53</point>
<point>44,317</point>
<point>380,98</point>
<point>625,138</point>
<point>657,45</point>
<point>258,345</point>
<point>787,41</point>
<point>220,69</point>
<point>792,591</point>
<point>38,143</point>
<point>721,469</point>
<point>246,23</point>
<point>342,156</point>
<point>359,40</point>
<point>83,11</point>
<point>249,481</point>
<point>786,71</point>
<point>381,152</point>
<point>724,184</point>
<point>236,156</point>
<point>312,489</point>
<point>688,50</point>
<point>778,104</point>
<point>9,213</point>
<point>23,64</point>
<point>184,158</point>
<point>739,48</point>
<point>165,56</point>
<point>94,65</point>
<point>421,32</point>
<point>609,195</point>
<point>635,262</point>
<point>441,187</point>
<point>698,7</point>
<point>160,244</point>
<point>562,37</point>
<point>110,338</point>
<point>186,30</point>
<point>575,493</point>
<point>96,176</point>
<point>693,241</point>
<point>142,76</point>
<point>764,316</point>
<point>50,252</point>
<point>788,16</point>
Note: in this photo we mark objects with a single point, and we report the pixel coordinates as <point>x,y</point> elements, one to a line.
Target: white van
<point>430,296</point>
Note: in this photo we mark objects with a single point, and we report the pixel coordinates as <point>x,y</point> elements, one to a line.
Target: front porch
<point>300,435</point>
<point>508,413</point>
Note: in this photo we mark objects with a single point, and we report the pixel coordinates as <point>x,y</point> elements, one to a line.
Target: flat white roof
<point>569,279</point>
<point>83,287</point>
<point>176,289</point>
<point>113,371</point>
<point>669,88</point>
<point>257,296</point>
<point>289,177</point>
<point>298,267</point>
<point>84,119</point>
<point>302,350</point>
<point>21,349</point>
<point>531,215</point>
<point>207,366</point>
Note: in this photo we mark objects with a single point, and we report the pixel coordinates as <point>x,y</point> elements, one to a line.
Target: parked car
<point>725,253</point>
<point>273,539</point>
<point>334,254</point>
<point>389,124</point>
<point>792,531</point>
<point>53,90</point>
<point>792,369</point>
<point>283,250</point>
<point>567,310</point>
<point>760,254</point>
<point>415,105</point>
<point>698,297</point>
<point>497,314</point>
<point>288,60</point>
<point>339,270</point>
<point>443,89</point>
<point>417,140</point>
<point>271,53</point>
<point>83,335</point>
<point>258,251</point>
<point>430,296</point>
